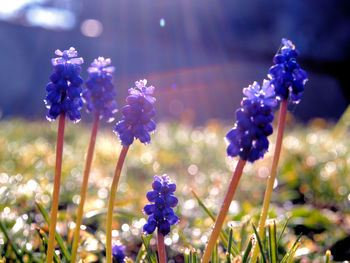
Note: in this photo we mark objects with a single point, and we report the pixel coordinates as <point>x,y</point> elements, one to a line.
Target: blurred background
<point>198,53</point>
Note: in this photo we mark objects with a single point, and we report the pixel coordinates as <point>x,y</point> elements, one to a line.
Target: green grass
<point>313,185</point>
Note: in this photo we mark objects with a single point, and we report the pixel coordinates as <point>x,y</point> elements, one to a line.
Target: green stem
<point>111,201</point>
<point>56,188</point>
<point>161,248</point>
<point>223,212</point>
<point>272,176</point>
<point>84,185</point>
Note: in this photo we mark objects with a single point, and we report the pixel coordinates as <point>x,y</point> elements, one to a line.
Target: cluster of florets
<point>286,75</point>
<point>161,214</point>
<point>248,138</point>
<point>118,253</point>
<point>100,93</point>
<point>137,115</point>
<point>65,88</point>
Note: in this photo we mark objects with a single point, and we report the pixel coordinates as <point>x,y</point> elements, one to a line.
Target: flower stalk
<point>84,185</point>
<point>111,202</point>
<point>56,187</point>
<point>272,175</point>
<point>161,247</point>
<point>223,212</point>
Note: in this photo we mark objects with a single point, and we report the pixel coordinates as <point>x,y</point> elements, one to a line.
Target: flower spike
<point>248,138</point>
<point>100,93</point>
<point>286,75</point>
<point>64,90</point>
<point>118,252</point>
<point>160,210</point>
<point>137,120</point>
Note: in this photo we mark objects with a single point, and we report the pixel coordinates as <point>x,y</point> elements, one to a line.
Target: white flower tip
<point>58,52</point>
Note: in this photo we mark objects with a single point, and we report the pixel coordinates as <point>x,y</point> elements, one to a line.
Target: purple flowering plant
<point>65,89</point>
<point>286,75</point>
<point>137,120</point>
<point>160,210</point>
<point>118,252</point>
<point>100,93</point>
<point>247,140</point>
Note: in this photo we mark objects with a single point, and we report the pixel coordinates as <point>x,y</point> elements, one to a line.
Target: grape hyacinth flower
<point>248,138</point>
<point>137,115</point>
<point>100,93</point>
<point>63,98</point>
<point>288,80</point>
<point>65,88</point>
<point>160,211</point>
<point>286,75</point>
<point>99,97</point>
<point>118,252</point>
<point>136,123</point>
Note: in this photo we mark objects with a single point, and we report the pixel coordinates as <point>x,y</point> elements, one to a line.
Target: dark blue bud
<point>233,150</point>
<point>261,144</point>
<point>261,120</point>
<point>152,195</point>
<point>244,124</point>
<point>158,214</point>
<point>246,141</point>
<point>172,188</point>
<point>268,130</point>
<point>156,185</point>
<point>149,209</point>
<point>164,228</point>
<point>149,227</point>
<point>159,202</point>
<point>171,201</point>
<point>126,138</point>
<point>173,219</point>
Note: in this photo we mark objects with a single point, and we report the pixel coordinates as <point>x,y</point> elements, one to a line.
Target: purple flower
<point>137,120</point>
<point>160,210</point>
<point>64,90</point>
<point>248,137</point>
<point>286,75</point>
<point>99,94</point>
<point>118,253</point>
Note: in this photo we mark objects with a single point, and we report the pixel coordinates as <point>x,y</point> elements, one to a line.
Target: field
<point>312,186</point>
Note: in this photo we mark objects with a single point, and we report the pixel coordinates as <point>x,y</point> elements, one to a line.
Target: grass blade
<point>58,238</point>
<point>194,255</point>
<point>247,250</point>
<point>282,232</point>
<point>44,238</point>
<point>291,256</point>
<point>223,234</point>
<point>259,242</point>
<point>290,252</point>
<point>272,241</point>
<point>187,255</point>
<point>243,236</point>
<point>150,253</point>
<point>140,254</point>
<point>228,256</point>
<point>14,246</point>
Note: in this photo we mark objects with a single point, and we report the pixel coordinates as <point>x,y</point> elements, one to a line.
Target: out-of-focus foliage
<point>313,185</point>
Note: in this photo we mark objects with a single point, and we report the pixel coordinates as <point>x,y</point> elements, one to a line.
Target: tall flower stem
<point>84,185</point>
<point>56,188</point>
<point>223,212</point>
<point>161,248</point>
<point>111,201</point>
<point>272,176</point>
